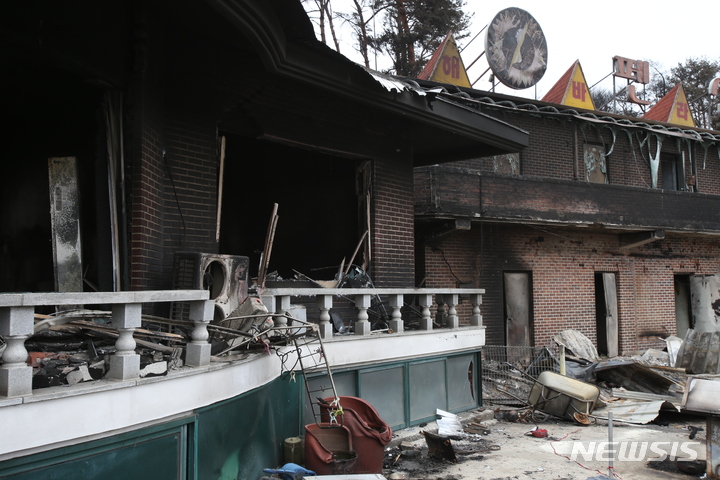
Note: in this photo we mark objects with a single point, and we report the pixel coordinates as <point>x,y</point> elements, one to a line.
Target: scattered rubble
<point>640,386</point>
<point>75,346</point>
<point>499,443</point>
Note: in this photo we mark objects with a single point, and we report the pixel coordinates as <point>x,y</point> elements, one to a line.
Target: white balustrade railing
<point>17,312</point>
<point>17,324</point>
<point>278,300</point>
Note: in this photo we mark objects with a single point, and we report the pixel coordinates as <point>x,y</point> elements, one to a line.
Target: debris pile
<point>635,388</point>
<point>428,453</point>
<point>75,346</point>
<point>502,442</point>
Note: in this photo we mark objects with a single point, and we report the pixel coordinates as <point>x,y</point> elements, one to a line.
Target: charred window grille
<point>508,163</point>
<point>595,164</point>
<point>509,372</point>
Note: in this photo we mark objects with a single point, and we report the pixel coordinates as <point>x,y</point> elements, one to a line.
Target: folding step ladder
<point>313,362</point>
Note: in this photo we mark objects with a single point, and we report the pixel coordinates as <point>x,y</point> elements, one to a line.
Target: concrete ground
<point>506,451</point>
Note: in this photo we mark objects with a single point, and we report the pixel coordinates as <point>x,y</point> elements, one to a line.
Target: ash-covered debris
<point>421,453</point>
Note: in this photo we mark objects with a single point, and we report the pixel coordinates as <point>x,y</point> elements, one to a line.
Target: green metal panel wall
<point>238,438</point>
<point>463,374</point>
<point>157,453</point>
<point>229,440</point>
<point>384,388</point>
<point>427,389</point>
<point>409,393</point>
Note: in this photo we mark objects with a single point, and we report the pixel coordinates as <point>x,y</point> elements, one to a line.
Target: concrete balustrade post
<point>16,325</point>
<point>362,325</point>
<point>324,303</point>
<point>197,351</point>
<point>441,314</point>
<point>452,301</point>
<point>425,300</point>
<point>396,322</point>
<point>476,317</point>
<point>125,364</point>
<point>283,305</point>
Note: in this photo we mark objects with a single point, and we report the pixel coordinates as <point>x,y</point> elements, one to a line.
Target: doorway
<point>606,315</point>
<point>318,197</point>
<point>518,309</point>
<point>683,306</point>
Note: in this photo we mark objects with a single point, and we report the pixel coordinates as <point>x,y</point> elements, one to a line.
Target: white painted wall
<point>59,416</point>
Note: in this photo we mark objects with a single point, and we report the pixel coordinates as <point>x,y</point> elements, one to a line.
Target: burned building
<point>151,138</point>
<point>604,224</point>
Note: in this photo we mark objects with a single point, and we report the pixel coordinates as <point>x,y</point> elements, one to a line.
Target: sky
<point>662,33</point>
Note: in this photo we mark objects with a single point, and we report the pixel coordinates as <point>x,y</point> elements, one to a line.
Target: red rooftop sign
<point>636,70</point>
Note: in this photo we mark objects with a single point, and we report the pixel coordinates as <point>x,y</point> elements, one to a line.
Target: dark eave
<point>320,79</point>
<point>522,105</point>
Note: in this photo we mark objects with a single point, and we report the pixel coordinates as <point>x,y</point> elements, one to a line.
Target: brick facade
<point>175,171</point>
<point>393,245</point>
<point>555,142</point>
<point>190,198</point>
<point>563,264</point>
<point>173,164</point>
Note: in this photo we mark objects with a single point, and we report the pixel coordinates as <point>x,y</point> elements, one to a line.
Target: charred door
<point>518,309</point>
<point>683,310</point>
<point>606,314</point>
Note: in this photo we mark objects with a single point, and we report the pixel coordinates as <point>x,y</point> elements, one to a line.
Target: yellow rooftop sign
<point>446,65</point>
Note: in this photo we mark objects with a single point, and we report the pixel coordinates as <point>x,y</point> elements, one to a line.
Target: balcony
<point>447,193</point>
<point>204,379</point>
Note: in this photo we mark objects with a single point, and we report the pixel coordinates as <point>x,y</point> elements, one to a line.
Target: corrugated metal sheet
<point>700,352</point>
<point>644,396</point>
<point>394,83</point>
<point>630,412</point>
<point>701,395</point>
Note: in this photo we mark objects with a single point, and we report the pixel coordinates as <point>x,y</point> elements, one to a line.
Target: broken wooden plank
<point>106,332</point>
<point>221,174</point>
<point>265,260</point>
<point>172,337</point>
<point>352,259</point>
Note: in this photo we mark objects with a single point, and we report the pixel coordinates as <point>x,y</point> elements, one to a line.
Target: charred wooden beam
<point>434,230</point>
<point>630,240</point>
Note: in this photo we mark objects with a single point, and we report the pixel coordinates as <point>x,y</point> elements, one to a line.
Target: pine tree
<point>413,30</point>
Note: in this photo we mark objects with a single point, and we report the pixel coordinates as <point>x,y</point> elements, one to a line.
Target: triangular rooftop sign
<point>446,65</point>
<point>571,89</point>
<point>672,108</point>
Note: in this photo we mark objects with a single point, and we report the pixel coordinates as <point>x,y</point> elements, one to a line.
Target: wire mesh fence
<point>509,372</point>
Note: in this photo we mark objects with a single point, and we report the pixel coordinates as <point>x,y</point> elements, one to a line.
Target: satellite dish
<point>516,48</point>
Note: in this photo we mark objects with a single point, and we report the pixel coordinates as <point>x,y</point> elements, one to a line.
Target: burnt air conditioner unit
<point>224,276</point>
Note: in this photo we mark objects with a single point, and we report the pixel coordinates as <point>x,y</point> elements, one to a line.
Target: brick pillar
<point>393,236</point>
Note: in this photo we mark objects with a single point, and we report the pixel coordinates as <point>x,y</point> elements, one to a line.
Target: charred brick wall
<point>190,193</point>
<point>174,199</point>
<point>550,152</point>
<point>393,243</point>
<point>145,167</point>
<point>172,163</point>
<point>563,264</point>
<point>708,169</point>
<point>147,210</point>
<point>556,145</point>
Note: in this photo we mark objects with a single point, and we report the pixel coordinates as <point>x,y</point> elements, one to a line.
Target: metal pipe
<point>611,467</point>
